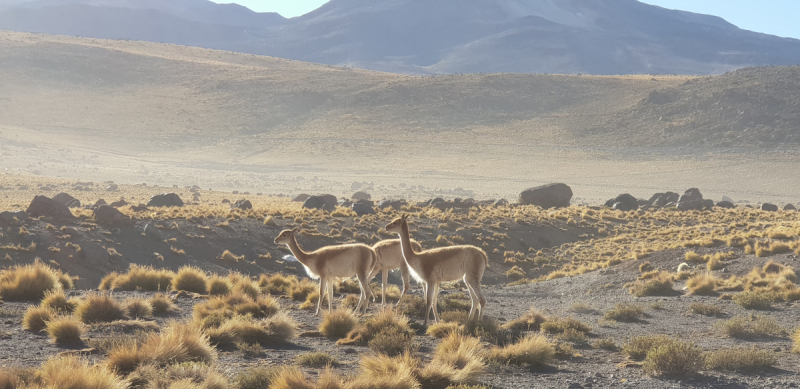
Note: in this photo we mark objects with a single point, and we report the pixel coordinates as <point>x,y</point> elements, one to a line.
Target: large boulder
<point>152,232</point>
<point>43,206</point>
<point>662,199</point>
<point>363,207</point>
<point>242,204</point>
<point>547,196</point>
<point>165,200</point>
<point>302,197</point>
<point>8,216</point>
<point>501,203</point>
<point>119,204</point>
<point>726,205</point>
<point>623,202</point>
<point>769,207</point>
<point>66,199</point>
<point>361,196</point>
<point>106,215</point>
<point>691,194</point>
<point>789,207</point>
<point>395,204</point>
<point>693,205</point>
<point>323,202</point>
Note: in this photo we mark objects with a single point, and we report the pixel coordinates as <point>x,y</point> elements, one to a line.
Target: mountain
<point>431,36</point>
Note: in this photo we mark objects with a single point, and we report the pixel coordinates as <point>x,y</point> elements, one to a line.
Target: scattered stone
<point>226,201</point>
<point>165,200</point>
<point>112,188</point>
<point>139,208</point>
<point>769,207</point>
<point>501,203</point>
<point>789,207</point>
<point>707,204</point>
<point>691,194</point>
<point>395,204</point>
<point>108,215</point>
<point>43,206</point>
<point>119,204</point>
<point>301,198</point>
<point>323,202</point>
<point>363,207</point>
<point>63,198</point>
<point>8,216</point>
<point>547,196</point>
<point>350,351</point>
<point>153,232</point>
<point>623,202</point>
<point>100,203</point>
<point>361,196</point>
<point>356,186</point>
<point>694,205</point>
<point>242,204</point>
<point>726,204</point>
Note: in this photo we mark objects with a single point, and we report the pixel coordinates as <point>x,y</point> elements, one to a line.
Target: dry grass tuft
<point>57,301</point>
<point>755,300</point>
<point>559,325</point>
<point>138,308</point>
<point>705,309</point>
<point>796,341</point>
<point>315,359</point>
<point>605,344</point>
<point>459,359</point>
<point>99,308</point>
<point>70,372</point>
<point>190,279</point>
<point>299,291</point>
<point>625,313</point>
<point>530,321</point>
<point>532,350</point>
<point>441,330</point>
<point>674,358</point>
<point>228,256</point>
<point>386,332</point>
<point>278,329</point>
<point>385,372</point>
<point>702,284</point>
<point>218,286</point>
<point>36,318</point>
<point>638,346</point>
<point>748,327</point>
<point>258,377</point>
<point>139,278</point>
<point>178,343</point>
<point>276,284</point>
<point>659,284</point>
<point>747,359</point>
<point>290,377</point>
<point>337,324</point>
<point>28,282</point>
<point>162,304</point>
<point>65,330</point>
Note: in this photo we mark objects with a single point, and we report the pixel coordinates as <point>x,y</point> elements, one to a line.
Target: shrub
<point>250,350</point>
<point>741,359</point>
<point>300,291</point>
<point>275,330</point>
<point>573,336</point>
<point>99,308</point>
<point>232,304</point>
<point>218,286</point>
<point>276,284</point>
<point>638,346</point>
<point>754,300</point>
<point>750,327</point>
<point>382,371</point>
<point>329,380</point>
<point>659,285</point>
<point>36,318</point>
<point>28,282</point>
<point>625,312</point>
<point>336,324</point>
<point>56,301</point>
<point>559,325</point>
<point>395,333</point>
<point>693,257</point>
<point>702,284</point>
<point>605,344</point>
<point>72,372</point>
<point>190,279</point>
<point>230,257</point>
<point>412,306</point>
<point>516,273</point>
<point>441,330</point>
<point>138,308</point>
<point>65,330</point>
<point>139,278</point>
<point>178,343</point>
<point>391,341</point>
<point>674,358</point>
<point>459,359</point>
<point>315,359</point>
<point>162,304</point>
<point>705,309</point>
<point>290,377</point>
<point>532,350</point>
<point>258,377</point>
<point>530,321</point>
<point>181,376</point>
<point>248,287</point>
<point>645,267</point>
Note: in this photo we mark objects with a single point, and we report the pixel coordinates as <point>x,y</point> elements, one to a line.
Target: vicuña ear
<point>405,216</point>
<point>295,230</point>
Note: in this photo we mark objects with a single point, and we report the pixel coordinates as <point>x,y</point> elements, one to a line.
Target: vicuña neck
<point>405,242</point>
<point>298,252</point>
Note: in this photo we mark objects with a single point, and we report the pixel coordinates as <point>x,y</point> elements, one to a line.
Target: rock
<point>691,195</point>
<point>726,204</point>
<point>769,207</point>
<point>94,254</point>
<point>501,203</point>
<point>65,199</point>
<point>789,207</point>
<point>361,196</point>
<point>226,201</point>
<point>139,208</point>
<point>356,186</point>
<point>363,207</point>
<point>165,200</point>
<point>644,203</point>
<point>728,199</point>
<point>119,204</point>
<point>99,203</point>
<point>45,188</point>
<point>626,201</point>
<point>301,198</point>
<point>395,204</point>
<point>431,202</point>
<point>694,205</point>
<point>344,203</point>
<point>547,196</point>
<point>153,232</point>
<point>323,202</point>
<point>112,188</point>
<point>43,206</point>
<point>8,216</point>
<point>74,204</point>
<point>707,204</point>
<point>242,204</point>
<point>662,199</point>
<point>107,215</point>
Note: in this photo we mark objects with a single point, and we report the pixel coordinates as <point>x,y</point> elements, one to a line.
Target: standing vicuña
<point>331,262</point>
<point>390,256</point>
<point>444,264</point>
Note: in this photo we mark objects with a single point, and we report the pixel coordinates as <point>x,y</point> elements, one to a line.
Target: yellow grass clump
<point>530,321</point>
<point>230,257</point>
<point>57,301</point>
<point>532,350</point>
<point>162,304</point>
<point>65,330</point>
<point>28,282</point>
<point>72,372</point>
<point>36,318</point>
<point>139,277</point>
<point>337,323</point>
<point>702,284</point>
<point>178,343</point>
<point>190,279</point>
<point>99,308</point>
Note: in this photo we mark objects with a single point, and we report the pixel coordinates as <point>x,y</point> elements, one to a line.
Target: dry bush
<point>290,377</point>
<point>693,257</point>
<point>329,380</point>
<point>228,256</point>
<point>57,301</point>
<point>218,286</point>
<point>411,306</point>
<point>247,286</point>
<point>516,273</point>
<point>747,327</point>
<point>182,376</point>
<point>605,344</point>
<point>459,359</point>
<point>391,330</point>
<point>441,330</point>
<point>300,291</point>
<point>138,308</point>
<point>218,309</point>
<point>573,336</point>
<point>65,330</point>
<point>337,323</point>
<point>139,278</point>
<point>28,282</point>
<point>705,309</point>
<point>74,373</point>
<point>36,318</point>
<point>557,325</point>
<point>530,321</point>
<point>532,350</point>
<point>347,285</point>
<point>702,284</point>
<point>278,329</point>
<point>659,284</point>
<point>755,300</point>
<point>385,372</point>
<point>625,313</point>
<point>740,358</point>
<point>178,343</point>
<point>645,267</point>
<point>258,377</point>
<point>315,359</point>
<point>674,358</point>
<point>276,284</point>
<point>638,346</point>
<point>190,279</point>
<point>391,341</point>
<point>99,308</point>
<point>162,304</point>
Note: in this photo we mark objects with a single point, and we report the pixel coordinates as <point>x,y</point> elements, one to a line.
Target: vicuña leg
<point>436,302</point>
<point>322,290</point>
<point>383,286</point>
<point>429,301</point>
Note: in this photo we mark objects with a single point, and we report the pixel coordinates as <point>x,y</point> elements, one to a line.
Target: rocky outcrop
<point>623,202</point>
<point>361,196</point>
<point>726,205</point>
<point>394,204</point>
<point>363,207</point>
<point>106,215</point>
<point>323,202</point>
<point>769,207</point>
<point>165,200</point>
<point>152,232</point>
<point>119,204</point>
<point>789,207</point>
<point>302,197</point>
<point>43,206</point>
<point>66,199</point>
<point>242,204</point>
<point>547,196</point>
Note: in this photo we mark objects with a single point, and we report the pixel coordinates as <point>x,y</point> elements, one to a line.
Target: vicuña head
<point>396,226</point>
<point>286,236</point>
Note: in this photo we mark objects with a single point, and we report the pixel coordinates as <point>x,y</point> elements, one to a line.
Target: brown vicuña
<point>331,262</point>
<point>390,256</point>
<point>444,264</point>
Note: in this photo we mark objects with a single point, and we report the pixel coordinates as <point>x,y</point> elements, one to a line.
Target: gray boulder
<point>302,197</point>
<point>501,203</point>
<point>693,205</point>
<point>394,204</point>
<point>547,196</point>
<point>119,204</point>
<point>8,216</point>
<point>165,200</point>
<point>623,202</point>
<point>43,206</point>
<point>112,188</point>
<point>363,207</point>
<point>789,207</point>
<point>63,198</point>
<point>323,202</point>
<point>242,204</point>
<point>153,232</point>
<point>106,215</point>
<point>707,204</point>
<point>769,207</point>
<point>691,194</point>
<point>726,205</point>
<point>361,196</point>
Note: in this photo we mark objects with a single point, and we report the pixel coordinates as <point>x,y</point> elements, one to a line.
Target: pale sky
<point>775,17</point>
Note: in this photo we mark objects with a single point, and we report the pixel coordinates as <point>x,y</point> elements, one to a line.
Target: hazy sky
<point>776,17</point>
